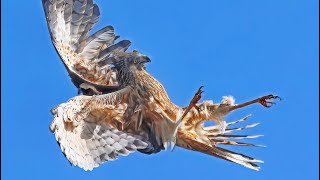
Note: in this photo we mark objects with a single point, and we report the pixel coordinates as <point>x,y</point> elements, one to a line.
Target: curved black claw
<point>263,100</point>
<point>193,102</point>
<point>197,96</point>
<point>199,92</point>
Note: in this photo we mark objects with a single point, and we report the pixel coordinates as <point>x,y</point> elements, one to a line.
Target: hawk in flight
<point>120,108</point>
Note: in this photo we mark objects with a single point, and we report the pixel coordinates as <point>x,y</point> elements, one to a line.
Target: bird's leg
<point>262,100</point>
<point>193,103</point>
<point>217,112</point>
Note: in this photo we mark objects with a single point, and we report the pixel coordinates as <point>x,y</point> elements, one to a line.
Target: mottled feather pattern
<point>158,92</point>
<point>121,108</point>
<point>79,107</point>
<point>88,140</point>
<point>94,44</point>
<point>90,144</point>
<point>69,23</point>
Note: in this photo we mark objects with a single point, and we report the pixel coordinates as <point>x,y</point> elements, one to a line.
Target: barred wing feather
<point>69,23</point>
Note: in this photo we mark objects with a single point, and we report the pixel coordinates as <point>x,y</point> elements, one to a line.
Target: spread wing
<point>86,129</point>
<point>69,23</point>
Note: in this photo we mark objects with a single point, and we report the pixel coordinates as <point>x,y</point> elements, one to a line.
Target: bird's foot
<point>193,103</point>
<point>196,98</point>
<point>264,100</point>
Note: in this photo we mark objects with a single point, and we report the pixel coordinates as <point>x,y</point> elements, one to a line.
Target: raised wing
<point>85,128</point>
<point>69,23</point>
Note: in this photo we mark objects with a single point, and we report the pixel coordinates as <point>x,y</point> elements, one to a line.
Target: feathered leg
<point>192,104</point>
<point>262,100</point>
<point>217,112</point>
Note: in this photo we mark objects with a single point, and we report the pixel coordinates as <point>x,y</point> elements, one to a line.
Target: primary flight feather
<point>120,107</point>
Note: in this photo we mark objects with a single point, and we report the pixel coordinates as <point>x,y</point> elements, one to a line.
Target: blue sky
<point>242,48</point>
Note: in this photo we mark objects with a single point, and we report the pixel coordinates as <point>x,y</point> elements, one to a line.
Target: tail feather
<point>238,121</point>
<point>213,150</point>
<point>235,143</point>
<point>226,136</point>
<point>208,142</point>
<point>229,130</point>
<point>215,129</point>
<point>244,160</point>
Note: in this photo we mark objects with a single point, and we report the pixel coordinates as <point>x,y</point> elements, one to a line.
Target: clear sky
<point>242,48</point>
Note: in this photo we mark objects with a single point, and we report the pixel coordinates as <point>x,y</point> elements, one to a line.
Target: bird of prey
<point>120,108</point>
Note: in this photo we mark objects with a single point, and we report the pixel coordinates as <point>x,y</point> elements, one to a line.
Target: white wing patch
<point>90,143</point>
<point>84,128</point>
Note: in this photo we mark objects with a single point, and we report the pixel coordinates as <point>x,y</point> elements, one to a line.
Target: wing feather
<point>85,129</point>
<point>121,46</point>
<point>69,23</point>
<point>90,144</point>
<point>96,42</point>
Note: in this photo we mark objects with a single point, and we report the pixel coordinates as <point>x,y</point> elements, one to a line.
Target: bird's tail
<point>209,141</point>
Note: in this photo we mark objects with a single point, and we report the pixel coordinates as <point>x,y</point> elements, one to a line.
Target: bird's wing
<point>85,128</point>
<point>69,23</point>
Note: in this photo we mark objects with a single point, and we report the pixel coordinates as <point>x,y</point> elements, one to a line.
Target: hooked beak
<point>146,60</point>
<point>143,61</point>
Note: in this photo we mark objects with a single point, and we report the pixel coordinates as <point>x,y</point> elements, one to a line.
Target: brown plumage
<point>122,108</point>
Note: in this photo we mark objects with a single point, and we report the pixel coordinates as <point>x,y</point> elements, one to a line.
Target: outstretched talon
<point>263,100</point>
<point>196,98</point>
<point>193,103</point>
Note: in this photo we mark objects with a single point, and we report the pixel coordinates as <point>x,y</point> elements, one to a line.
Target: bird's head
<point>130,62</point>
<point>127,64</point>
<point>137,60</point>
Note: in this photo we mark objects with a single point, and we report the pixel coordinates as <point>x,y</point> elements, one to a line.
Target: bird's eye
<point>135,61</point>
